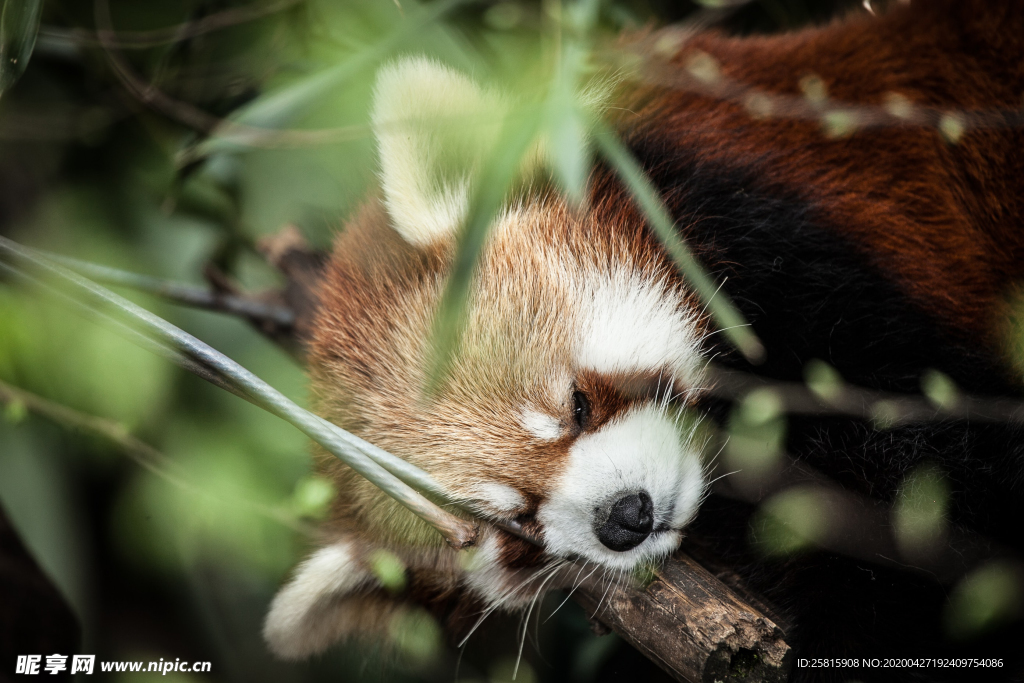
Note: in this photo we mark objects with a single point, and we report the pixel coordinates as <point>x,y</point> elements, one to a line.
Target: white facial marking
<point>484,573</point>
<point>299,622</point>
<point>541,425</point>
<point>634,324</point>
<point>498,496</point>
<point>641,450</point>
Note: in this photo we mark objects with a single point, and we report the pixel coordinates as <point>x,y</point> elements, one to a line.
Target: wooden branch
<point>692,625</point>
<point>686,620</point>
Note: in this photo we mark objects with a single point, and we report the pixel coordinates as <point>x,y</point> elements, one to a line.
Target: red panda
<point>884,251</point>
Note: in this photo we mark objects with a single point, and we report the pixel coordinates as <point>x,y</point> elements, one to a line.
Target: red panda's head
<point>562,405</point>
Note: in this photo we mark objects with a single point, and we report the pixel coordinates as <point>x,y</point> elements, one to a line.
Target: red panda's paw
<point>338,593</point>
<point>330,597</point>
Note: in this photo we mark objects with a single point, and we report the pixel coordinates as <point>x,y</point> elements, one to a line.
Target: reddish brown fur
<point>939,218</point>
<point>942,219</point>
<point>371,272</point>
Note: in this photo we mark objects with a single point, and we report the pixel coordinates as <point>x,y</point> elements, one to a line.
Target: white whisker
<point>526,622</point>
<point>575,584</point>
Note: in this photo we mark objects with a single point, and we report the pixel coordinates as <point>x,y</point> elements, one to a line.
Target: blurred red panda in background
<point>886,245</point>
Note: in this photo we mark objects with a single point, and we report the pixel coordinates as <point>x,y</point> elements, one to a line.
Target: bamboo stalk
<point>178,292</point>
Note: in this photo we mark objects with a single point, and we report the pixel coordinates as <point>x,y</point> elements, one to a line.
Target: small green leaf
<point>389,570</point>
<point>761,406</point>
<point>759,105</point>
<point>19,27</point>
<point>471,560</point>
<point>499,173</point>
<point>839,123</point>
<point>791,521</point>
<point>885,414</point>
<point>312,497</point>
<point>814,89</point>
<point>757,434</point>
<point>416,636</point>
<point>644,574</point>
<point>704,68</point>
<point>15,411</point>
<point>940,389</point>
<point>823,379</point>
<point>667,45</point>
<point>984,598</point>
<point>952,126</point>
<point>899,106</point>
<point>919,514</point>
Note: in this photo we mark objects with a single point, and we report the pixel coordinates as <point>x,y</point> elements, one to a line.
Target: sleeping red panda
<point>886,252</point>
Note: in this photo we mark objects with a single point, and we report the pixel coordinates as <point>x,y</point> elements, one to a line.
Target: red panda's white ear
<point>434,126</point>
<point>330,598</point>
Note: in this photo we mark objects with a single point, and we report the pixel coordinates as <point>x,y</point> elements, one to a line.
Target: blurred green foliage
<point>791,521</point>
<point>184,566</point>
<point>757,432</point>
<point>19,26</point>
<point>919,515</point>
<point>986,597</point>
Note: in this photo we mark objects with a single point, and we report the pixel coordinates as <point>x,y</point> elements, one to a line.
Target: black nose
<point>629,524</point>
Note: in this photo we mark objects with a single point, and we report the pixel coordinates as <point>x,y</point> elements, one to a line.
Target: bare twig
<point>193,117</point>
<point>703,76</point>
<point>181,293</point>
<point>884,408</point>
<point>135,40</point>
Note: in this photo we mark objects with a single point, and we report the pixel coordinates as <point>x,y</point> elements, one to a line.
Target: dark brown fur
<point>942,219</point>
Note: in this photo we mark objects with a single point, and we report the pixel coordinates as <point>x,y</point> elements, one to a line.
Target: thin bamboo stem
<point>178,292</point>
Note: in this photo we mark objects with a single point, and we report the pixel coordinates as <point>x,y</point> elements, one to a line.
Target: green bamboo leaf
<point>569,147</point>
<point>499,173</point>
<point>583,15</point>
<point>19,27</point>
<point>567,134</point>
<point>726,315</point>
